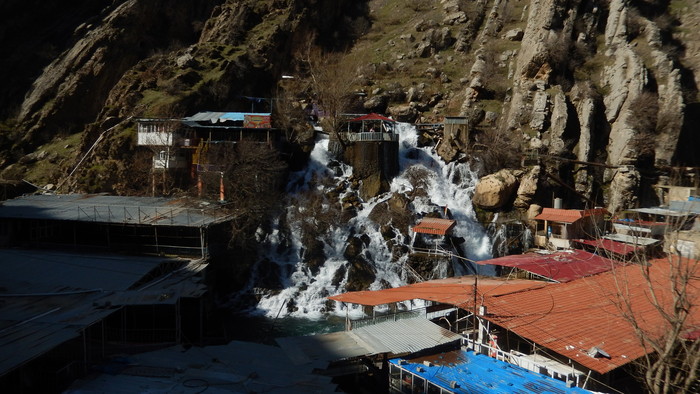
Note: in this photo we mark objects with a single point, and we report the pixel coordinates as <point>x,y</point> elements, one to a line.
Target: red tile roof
<point>568,215</point>
<point>435,226</point>
<point>451,291</point>
<point>562,266</point>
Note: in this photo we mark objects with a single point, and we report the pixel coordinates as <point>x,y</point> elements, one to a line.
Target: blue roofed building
<point>186,148</point>
<point>463,371</point>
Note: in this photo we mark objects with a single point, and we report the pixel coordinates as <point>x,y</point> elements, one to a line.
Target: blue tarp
<point>216,117</point>
<point>477,373</point>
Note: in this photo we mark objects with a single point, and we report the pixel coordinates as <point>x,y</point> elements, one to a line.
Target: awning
<point>435,226</point>
<point>562,266</point>
<point>372,116</point>
<point>609,245</point>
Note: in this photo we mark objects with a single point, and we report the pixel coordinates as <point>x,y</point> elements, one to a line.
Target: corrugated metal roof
<point>568,215</point>
<point>238,367</point>
<point>451,291</point>
<point>631,239</point>
<point>571,318</point>
<point>373,116</point>
<point>63,272</point>
<point>661,211</point>
<point>100,208</point>
<point>567,318</point>
<point>685,206</point>
<point>50,297</point>
<point>394,337</point>
<point>405,336</point>
<point>217,117</point>
<point>609,245</point>
<point>561,266</point>
<point>477,373</point>
<point>435,226</point>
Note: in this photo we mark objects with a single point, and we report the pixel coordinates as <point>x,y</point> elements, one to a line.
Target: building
<point>466,371</point>
<point>577,331</point>
<point>104,223</point>
<point>61,312</point>
<point>435,229</point>
<point>557,227</point>
<point>370,143</point>
<point>237,367</point>
<point>669,193</point>
<point>84,277</point>
<point>192,145</point>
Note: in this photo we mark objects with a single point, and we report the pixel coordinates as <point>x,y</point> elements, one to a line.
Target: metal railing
<point>368,136</point>
<point>162,216</point>
<point>388,317</point>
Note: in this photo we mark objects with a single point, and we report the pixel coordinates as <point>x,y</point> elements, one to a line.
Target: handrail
<point>160,215</point>
<point>370,136</point>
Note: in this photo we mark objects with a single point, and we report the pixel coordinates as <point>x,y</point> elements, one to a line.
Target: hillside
<point>613,83</point>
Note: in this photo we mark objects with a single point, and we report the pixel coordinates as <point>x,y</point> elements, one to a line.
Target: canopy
<point>373,116</point>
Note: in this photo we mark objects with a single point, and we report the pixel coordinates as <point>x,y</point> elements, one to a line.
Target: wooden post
<point>221,187</point>
<point>200,186</point>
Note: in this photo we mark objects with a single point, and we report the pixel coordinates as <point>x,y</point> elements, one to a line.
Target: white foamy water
<point>446,185</point>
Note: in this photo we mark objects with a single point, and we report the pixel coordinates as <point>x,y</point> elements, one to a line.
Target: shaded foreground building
<point>238,367</point>
<point>60,312</point>
<point>100,222</point>
<point>64,307</point>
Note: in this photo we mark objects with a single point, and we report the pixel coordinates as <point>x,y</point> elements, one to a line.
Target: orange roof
<point>452,291</point>
<point>568,215</point>
<point>566,318</point>
<point>570,318</point>
<point>435,226</point>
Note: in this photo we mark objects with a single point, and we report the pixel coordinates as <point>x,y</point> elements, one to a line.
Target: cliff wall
<point>612,83</point>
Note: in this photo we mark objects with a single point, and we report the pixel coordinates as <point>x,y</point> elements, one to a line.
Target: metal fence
<point>388,317</point>
<point>368,137</point>
<point>144,215</point>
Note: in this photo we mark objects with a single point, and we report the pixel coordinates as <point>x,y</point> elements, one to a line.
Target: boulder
<point>353,248</point>
<point>403,113</point>
<point>377,103</point>
<point>361,275</point>
<point>447,151</point>
<point>514,35</point>
<point>495,190</point>
<point>455,18</point>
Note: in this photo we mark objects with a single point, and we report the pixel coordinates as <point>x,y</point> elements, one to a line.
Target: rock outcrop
<point>564,76</point>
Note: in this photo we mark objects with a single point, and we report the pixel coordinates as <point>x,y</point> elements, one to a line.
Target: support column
<point>221,187</point>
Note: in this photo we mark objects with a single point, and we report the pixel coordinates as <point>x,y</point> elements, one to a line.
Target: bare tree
<point>664,317</point>
<point>332,77</point>
<point>253,177</point>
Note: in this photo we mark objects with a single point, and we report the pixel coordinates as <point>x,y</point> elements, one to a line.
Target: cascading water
<point>445,186</point>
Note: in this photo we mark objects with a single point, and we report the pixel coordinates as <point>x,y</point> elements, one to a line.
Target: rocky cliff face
<point>603,92</point>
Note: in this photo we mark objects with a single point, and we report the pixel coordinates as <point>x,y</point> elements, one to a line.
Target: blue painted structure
<point>464,371</point>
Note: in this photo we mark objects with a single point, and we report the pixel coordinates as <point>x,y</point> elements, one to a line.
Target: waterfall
<point>304,286</point>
